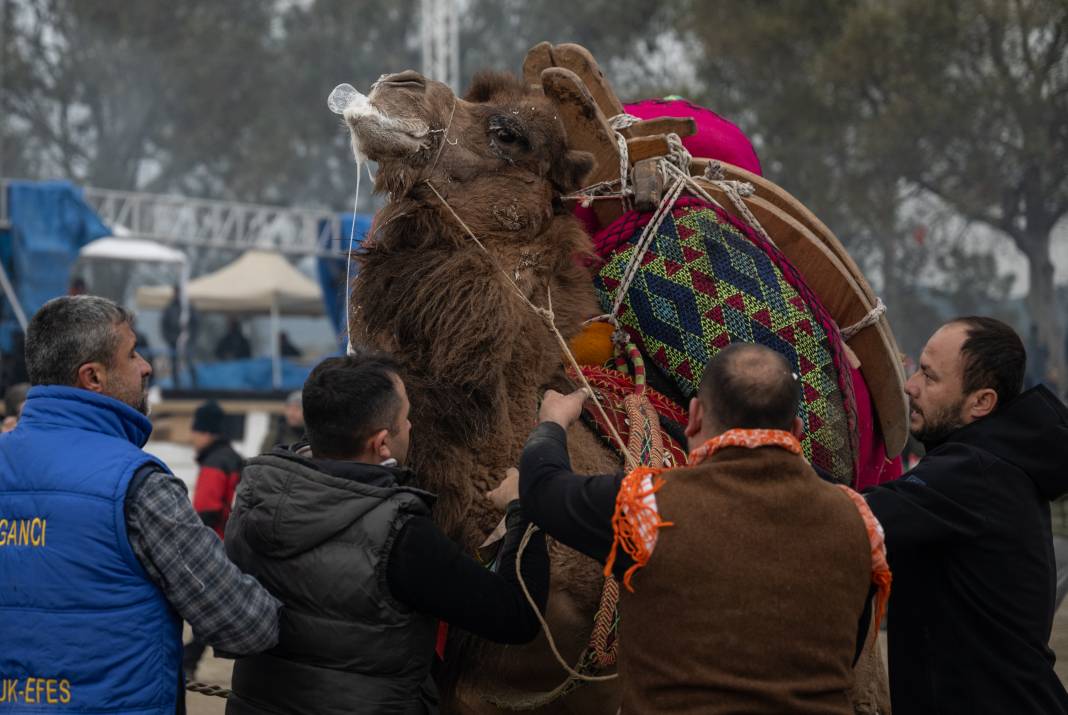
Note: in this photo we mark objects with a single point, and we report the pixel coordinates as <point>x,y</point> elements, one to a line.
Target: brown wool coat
<point>751,602</point>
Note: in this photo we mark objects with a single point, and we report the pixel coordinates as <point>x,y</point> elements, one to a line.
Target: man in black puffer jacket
<point>334,530</point>
<point>968,532</point>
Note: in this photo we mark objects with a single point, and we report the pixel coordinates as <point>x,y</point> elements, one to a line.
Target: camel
<point>475,368</point>
<point>492,165</point>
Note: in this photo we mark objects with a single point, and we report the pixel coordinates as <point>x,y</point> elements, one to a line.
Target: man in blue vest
<point>101,553</point>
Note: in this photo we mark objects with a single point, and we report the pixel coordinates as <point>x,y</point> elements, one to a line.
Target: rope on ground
<point>867,321</point>
<point>218,691</point>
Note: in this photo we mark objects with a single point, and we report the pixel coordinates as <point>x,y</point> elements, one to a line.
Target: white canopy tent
<point>117,248</point>
<point>257,282</point>
<point>138,250</point>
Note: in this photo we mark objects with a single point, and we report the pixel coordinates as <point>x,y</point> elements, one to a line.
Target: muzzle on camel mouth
<point>376,132</point>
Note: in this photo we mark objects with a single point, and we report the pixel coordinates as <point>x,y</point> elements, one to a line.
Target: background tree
<point>860,106</point>
<point>865,110</point>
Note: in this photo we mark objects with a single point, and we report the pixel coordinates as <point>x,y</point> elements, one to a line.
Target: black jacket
<point>365,576</point>
<point>321,544</point>
<point>968,540</point>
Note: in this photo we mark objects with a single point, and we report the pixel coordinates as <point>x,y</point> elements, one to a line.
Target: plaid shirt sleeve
<point>228,609</point>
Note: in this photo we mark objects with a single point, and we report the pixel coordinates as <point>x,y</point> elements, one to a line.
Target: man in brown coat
<point>748,578</point>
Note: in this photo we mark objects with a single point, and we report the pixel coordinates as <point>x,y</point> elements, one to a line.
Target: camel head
<point>499,154</point>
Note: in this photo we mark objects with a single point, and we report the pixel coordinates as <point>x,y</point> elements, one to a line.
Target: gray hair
<point>69,332</point>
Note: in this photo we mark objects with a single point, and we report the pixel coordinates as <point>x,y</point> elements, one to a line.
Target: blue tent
<point>332,271</point>
<point>50,222</point>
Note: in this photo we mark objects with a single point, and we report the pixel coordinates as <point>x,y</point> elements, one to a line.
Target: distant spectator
<point>220,466</point>
<point>14,398</point>
<point>233,345</point>
<point>288,428</point>
<point>287,348</point>
<point>77,286</point>
<point>220,470</point>
<point>171,328</point>
<point>144,349</point>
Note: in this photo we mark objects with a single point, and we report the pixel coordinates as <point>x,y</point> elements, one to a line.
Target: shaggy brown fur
<point>475,357</point>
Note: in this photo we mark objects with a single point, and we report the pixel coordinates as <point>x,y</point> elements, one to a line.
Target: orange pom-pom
<point>593,346</point>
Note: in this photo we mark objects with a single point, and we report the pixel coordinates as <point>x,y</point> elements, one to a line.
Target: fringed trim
<point>748,438</point>
<point>880,569</point>
<point>636,520</point>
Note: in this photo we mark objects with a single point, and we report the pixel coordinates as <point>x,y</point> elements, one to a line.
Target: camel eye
<point>505,131</point>
<point>505,135</point>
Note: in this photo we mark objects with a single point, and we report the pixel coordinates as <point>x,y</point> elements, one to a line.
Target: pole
<point>276,356</point>
<point>181,350</point>
<point>12,298</point>
<point>3,53</point>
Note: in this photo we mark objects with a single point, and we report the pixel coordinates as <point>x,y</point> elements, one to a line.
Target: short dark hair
<point>993,356</point>
<point>68,332</point>
<point>347,399</point>
<point>750,386</point>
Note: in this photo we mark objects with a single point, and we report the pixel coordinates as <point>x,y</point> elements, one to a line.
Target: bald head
<point>749,386</point>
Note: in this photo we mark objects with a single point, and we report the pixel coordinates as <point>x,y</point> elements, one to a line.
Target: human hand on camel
<point>562,409</point>
<point>507,491</point>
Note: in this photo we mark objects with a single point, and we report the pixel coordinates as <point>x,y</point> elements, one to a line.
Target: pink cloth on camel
<point>873,468</point>
<point>716,138</point>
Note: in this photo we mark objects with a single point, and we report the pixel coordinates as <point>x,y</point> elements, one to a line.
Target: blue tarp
<point>332,272</point>
<point>50,222</point>
<point>249,374</point>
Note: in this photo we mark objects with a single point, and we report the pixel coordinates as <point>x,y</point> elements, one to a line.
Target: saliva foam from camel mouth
<point>353,105</point>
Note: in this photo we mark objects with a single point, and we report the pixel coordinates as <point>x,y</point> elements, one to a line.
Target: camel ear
<point>570,171</point>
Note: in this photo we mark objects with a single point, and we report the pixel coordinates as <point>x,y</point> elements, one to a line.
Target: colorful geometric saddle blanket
<point>706,281</point>
<point>616,391</point>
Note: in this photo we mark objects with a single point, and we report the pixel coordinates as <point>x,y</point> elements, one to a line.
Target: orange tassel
<point>635,522</point>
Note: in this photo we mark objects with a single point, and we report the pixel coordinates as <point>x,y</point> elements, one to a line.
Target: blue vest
<point>82,628</point>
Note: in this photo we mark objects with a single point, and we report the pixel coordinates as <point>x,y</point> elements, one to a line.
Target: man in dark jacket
<point>336,531</point>
<point>968,531</point>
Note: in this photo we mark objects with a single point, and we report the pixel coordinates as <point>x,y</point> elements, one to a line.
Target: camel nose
<point>407,78</point>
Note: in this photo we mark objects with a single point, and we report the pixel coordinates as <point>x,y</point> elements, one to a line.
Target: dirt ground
<point>217,670</point>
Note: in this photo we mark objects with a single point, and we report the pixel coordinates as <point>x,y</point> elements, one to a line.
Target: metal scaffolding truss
<point>182,221</point>
<point>440,35</point>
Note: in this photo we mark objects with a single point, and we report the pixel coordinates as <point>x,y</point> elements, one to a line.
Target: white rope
<point>678,154</point>
<point>734,190</point>
<point>624,171</point>
<point>867,321</point>
<point>667,203</point>
<point>349,349</point>
<point>587,195</point>
<point>622,121</point>
<point>576,675</point>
